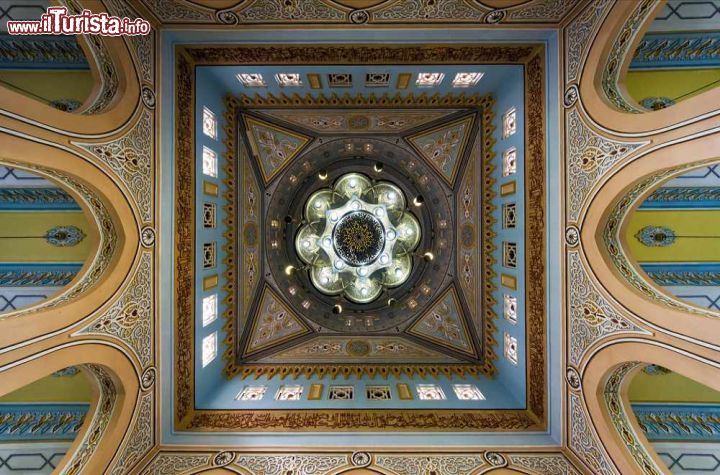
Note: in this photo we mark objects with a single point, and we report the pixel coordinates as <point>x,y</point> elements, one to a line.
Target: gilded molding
<point>591,317</point>
<point>535,234</point>
<point>309,54</point>
<point>141,46</point>
<point>173,463</point>
<point>590,156</point>
<point>130,318</point>
<point>184,236</point>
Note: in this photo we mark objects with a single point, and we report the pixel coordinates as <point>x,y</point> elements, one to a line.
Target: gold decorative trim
<point>187,417</point>
<point>210,188</point>
<point>403,80</point>
<point>315,392</point>
<point>314,80</point>
<point>404,392</point>
<point>508,188</point>
<point>210,282</point>
<point>508,281</point>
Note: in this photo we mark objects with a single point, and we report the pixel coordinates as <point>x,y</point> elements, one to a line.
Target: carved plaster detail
<point>296,464</point>
<point>583,440</point>
<point>578,35</point>
<point>141,45</point>
<point>591,317</point>
<point>141,438</point>
<point>590,156</point>
<point>424,10</point>
<point>280,11</point>
<point>411,464</point>
<point>130,317</point>
<point>543,464</point>
<point>549,11</point>
<point>169,463</point>
<point>130,157</point>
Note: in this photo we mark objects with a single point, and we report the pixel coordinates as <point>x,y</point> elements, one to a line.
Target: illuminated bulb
<point>379,212</point>
<point>362,271</point>
<point>364,290</point>
<point>289,269</point>
<point>391,234</point>
<point>353,182</point>
<point>391,195</point>
<point>325,280</point>
<point>306,243</point>
<point>355,205</point>
<point>398,272</point>
<point>327,241</point>
<point>384,259</point>
<point>339,264</point>
<point>333,217</point>
<point>408,232</point>
<point>317,204</point>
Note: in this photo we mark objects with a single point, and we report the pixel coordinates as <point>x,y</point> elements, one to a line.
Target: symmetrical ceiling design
<point>443,147</point>
<point>438,148</point>
<point>444,324</point>
<point>274,146</point>
<point>292,175</point>
<point>134,320</point>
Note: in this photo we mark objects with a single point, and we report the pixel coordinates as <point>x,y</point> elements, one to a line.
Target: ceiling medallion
<point>357,238</point>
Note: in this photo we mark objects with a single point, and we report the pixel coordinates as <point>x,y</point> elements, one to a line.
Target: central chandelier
<point>357,238</point>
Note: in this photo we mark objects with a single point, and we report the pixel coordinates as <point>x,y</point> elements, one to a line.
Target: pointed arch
<point>115,227</point>
<point>110,105</point>
<point>624,28</point>
<point>116,388</point>
<point>621,277</point>
<point>605,384</point>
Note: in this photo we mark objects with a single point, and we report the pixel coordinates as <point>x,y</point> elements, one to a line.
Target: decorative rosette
<point>357,238</point>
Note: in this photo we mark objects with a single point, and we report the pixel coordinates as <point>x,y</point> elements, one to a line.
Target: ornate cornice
<point>533,418</point>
